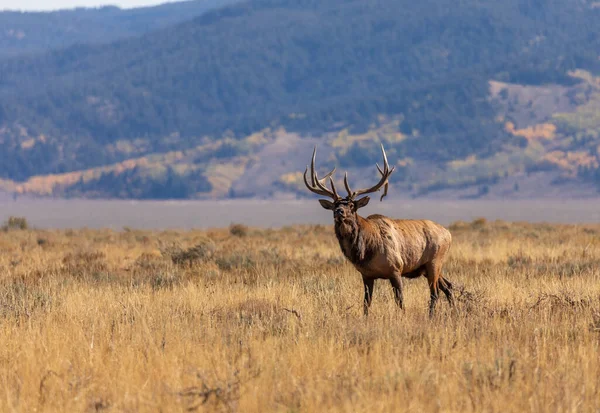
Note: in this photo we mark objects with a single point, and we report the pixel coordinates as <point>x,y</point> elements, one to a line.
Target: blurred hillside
<point>471,99</point>
<point>35,32</point>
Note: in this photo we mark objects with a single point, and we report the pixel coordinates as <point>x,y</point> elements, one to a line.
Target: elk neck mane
<point>359,238</point>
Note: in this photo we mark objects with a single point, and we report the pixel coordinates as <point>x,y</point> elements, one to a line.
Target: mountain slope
<point>313,67</point>
<point>34,32</point>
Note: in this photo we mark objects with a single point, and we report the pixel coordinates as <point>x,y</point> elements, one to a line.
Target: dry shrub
<point>469,301</point>
<point>595,324</point>
<point>165,279</point>
<point>544,266</point>
<point>86,264</point>
<point>360,336</point>
<point>170,250</point>
<point>203,251</point>
<point>272,257</point>
<point>148,261</point>
<point>15,223</point>
<point>519,260</point>
<point>236,261</point>
<point>567,268</point>
<point>336,262</point>
<point>98,404</point>
<point>155,271</point>
<point>19,299</point>
<point>263,259</point>
<point>502,372</point>
<point>143,239</point>
<point>458,225</point>
<point>240,269</point>
<point>238,230</point>
<point>76,385</point>
<point>479,223</point>
<point>255,314</point>
<point>250,267</point>
<point>560,302</point>
<point>220,394</point>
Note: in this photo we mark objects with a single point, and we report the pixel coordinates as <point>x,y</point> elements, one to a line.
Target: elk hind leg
<point>433,274</point>
<point>447,289</point>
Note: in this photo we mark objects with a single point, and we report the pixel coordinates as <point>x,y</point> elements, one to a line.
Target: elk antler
<point>385,174</point>
<point>318,185</point>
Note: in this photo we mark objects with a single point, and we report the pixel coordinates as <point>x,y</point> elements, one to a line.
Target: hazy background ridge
<point>220,99</point>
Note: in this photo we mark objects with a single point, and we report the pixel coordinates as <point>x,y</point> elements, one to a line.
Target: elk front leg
<point>396,281</point>
<point>369,284</point>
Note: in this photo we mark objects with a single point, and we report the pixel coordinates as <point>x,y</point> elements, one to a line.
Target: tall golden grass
<point>255,320</point>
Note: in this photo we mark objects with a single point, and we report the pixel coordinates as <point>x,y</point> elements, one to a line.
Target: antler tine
<point>328,175</point>
<point>312,188</point>
<point>323,181</point>
<point>387,183</point>
<point>347,185</point>
<point>385,161</point>
<point>312,166</point>
<point>318,185</point>
<point>385,174</point>
<point>315,178</point>
<point>333,188</point>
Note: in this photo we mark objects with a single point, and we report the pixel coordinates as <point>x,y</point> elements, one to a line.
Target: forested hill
<point>34,32</point>
<point>310,66</point>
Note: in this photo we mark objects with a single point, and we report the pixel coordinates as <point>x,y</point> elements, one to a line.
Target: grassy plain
<point>256,320</point>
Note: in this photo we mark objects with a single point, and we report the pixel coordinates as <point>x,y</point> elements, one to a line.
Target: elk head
<point>344,209</point>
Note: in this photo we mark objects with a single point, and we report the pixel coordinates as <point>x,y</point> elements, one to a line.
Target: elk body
<point>383,248</point>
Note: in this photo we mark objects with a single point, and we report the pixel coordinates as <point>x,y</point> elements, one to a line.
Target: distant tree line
<point>133,183</point>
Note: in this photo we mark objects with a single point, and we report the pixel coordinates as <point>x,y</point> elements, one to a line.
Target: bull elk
<point>380,247</point>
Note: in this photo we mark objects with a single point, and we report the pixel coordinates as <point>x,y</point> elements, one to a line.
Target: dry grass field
<point>255,320</point>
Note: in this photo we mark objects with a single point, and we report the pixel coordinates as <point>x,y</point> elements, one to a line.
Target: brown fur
<point>380,247</point>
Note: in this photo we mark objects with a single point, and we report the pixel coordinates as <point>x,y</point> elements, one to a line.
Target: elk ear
<point>361,202</point>
<point>326,204</point>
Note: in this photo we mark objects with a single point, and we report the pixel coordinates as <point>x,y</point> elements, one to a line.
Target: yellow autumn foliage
<point>292,178</point>
<point>28,144</point>
<point>569,162</point>
<point>541,131</point>
<point>388,131</point>
<point>461,163</point>
<point>586,76</point>
<point>259,138</point>
<point>222,175</point>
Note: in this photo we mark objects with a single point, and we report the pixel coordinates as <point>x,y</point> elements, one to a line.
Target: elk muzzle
<point>339,212</point>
